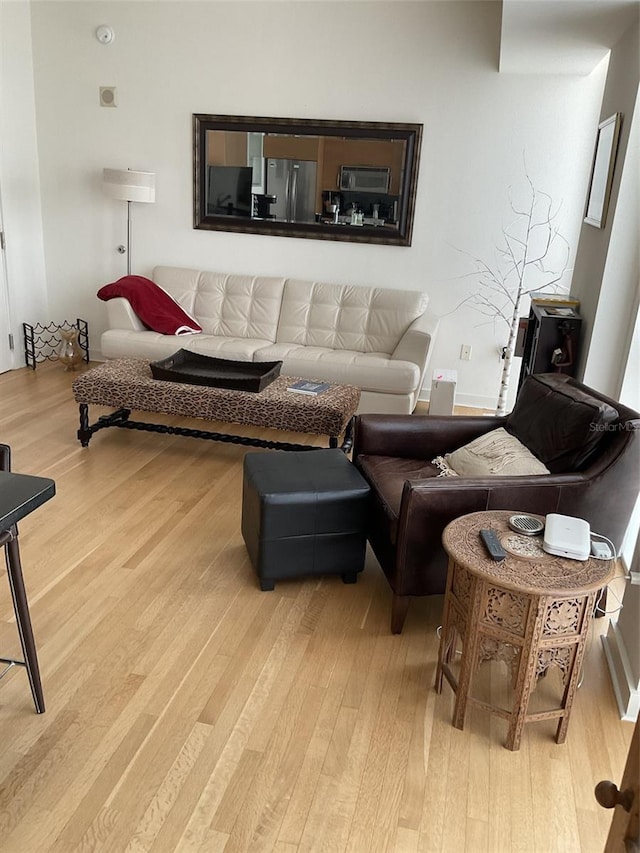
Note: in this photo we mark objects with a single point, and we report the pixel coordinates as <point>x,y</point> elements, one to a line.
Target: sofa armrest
<point>417,342</point>
<point>120,315</point>
<point>417,436</point>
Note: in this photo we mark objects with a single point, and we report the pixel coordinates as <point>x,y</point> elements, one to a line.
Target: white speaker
<point>108,96</point>
<point>567,536</point>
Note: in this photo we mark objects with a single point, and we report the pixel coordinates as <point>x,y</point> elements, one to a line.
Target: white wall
<point>608,266</point>
<point>431,62</point>
<point>19,175</point>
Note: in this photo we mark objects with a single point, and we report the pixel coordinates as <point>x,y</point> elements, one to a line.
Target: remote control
<point>492,544</point>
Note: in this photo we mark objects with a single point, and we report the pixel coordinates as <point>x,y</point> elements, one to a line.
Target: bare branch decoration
<point>533,257</point>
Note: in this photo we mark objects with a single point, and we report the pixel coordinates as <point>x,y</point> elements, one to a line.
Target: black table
<point>20,494</point>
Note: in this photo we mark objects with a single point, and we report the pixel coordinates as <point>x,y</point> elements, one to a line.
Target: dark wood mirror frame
<point>328,138</point>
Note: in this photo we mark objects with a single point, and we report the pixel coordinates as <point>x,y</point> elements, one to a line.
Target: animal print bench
<point>127,384</point>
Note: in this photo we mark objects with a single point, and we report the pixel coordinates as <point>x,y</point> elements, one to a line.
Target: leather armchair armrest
<point>417,436</point>
<point>427,507</point>
<point>443,488</point>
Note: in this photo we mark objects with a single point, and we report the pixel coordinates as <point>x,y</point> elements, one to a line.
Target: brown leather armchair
<point>589,443</point>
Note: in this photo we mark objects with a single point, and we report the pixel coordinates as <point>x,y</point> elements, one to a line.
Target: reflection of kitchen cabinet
<point>226,148</point>
<point>291,147</point>
<point>362,152</point>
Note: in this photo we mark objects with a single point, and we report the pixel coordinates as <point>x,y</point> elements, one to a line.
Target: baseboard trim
<point>472,401</point>
<point>626,691</point>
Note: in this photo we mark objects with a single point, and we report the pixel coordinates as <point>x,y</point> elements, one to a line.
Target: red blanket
<point>152,304</point>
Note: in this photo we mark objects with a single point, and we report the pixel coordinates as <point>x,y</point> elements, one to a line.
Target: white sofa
<point>375,338</point>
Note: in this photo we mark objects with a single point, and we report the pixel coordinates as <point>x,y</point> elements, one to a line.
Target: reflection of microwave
<point>364,179</point>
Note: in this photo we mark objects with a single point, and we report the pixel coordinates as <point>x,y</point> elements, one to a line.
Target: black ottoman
<point>303,513</point>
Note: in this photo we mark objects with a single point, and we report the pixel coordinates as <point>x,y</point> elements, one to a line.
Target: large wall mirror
<point>328,180</point>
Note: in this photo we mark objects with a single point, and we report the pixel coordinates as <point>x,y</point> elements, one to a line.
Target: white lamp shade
<point>128,185</point>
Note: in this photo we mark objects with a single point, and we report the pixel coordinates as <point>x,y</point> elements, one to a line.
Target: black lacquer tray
<point>196,369</point>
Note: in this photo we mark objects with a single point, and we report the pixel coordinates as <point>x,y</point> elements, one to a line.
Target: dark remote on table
<point>492,544</point>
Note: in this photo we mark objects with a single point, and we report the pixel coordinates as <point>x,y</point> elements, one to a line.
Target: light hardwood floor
<point>188,711</point>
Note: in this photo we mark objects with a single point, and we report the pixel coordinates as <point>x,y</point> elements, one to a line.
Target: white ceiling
<point>561,36</point>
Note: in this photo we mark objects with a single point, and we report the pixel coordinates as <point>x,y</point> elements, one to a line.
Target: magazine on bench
<point>305,386</point>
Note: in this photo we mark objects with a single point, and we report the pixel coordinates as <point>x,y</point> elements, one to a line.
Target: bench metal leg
<point>120,418</point>
<point>86,430</point>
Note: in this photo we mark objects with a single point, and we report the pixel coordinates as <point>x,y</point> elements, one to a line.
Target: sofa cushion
<point>496,453</point>
<point>236,306</point>
<point>334,316</point>
<point>181,283</point>
<point>559,423</point>
<point>373,371</point>
<point>122,343</point>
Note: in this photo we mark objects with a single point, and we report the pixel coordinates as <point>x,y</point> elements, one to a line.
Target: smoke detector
<point>105,34</point>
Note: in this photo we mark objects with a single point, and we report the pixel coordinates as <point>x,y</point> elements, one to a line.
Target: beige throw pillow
<point>494,453</point>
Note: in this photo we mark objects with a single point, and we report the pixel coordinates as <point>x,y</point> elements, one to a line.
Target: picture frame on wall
<point>604,161</point>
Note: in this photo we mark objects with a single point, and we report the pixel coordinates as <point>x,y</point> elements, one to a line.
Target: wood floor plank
<point>189,711</point>
<point>89,805</point>
<point>436,792</point>
<point>160,807</point>
<point>368,805</point>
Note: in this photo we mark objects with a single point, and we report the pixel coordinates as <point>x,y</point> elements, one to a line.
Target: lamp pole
<point>128,237</point>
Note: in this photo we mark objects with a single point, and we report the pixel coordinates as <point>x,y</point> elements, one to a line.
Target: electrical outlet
<point>465,352</point>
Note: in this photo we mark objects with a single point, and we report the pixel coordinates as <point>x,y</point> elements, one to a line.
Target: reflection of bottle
<point>354,215</point>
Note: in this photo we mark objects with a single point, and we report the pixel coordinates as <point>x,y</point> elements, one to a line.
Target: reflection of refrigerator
<point>294,184</point>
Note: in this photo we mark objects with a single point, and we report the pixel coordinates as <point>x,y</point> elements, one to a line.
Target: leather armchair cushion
<point>387,476</point>
<point>559,423</point>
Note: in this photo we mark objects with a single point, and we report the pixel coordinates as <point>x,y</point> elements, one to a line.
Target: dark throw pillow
<point>559,423</point>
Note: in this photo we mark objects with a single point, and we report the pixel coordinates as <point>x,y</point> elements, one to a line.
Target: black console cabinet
<point>551,339</point>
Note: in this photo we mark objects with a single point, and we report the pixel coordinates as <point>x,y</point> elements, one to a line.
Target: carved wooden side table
<point>532,610</point>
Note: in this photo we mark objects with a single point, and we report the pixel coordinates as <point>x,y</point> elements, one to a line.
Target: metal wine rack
<point>41,343</point>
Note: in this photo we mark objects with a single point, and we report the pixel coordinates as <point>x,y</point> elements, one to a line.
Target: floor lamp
<point>127,185</point>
